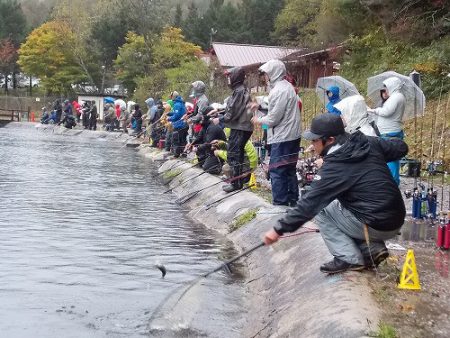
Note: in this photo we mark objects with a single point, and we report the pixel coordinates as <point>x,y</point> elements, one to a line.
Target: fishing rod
<point>170,179</point>
<point>189,196</point>
<point>209,205</point>
<point>189,285</point>
<point>188,180</point>
<point>241,164</point>
<point>174,166</point>
<point>226,266</point>
<point>444,175</point>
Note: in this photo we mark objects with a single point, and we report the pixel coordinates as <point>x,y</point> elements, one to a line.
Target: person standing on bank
<point>283,120</point>
<point>390,117</point>
<point>238,118</point>
<point>93,117</point>
<point>352,192</point>
<point>180,127</point>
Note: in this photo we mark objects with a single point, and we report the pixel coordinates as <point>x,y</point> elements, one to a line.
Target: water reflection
<point>83,224</point>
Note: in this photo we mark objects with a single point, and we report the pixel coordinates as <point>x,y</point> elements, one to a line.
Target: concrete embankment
<point>286,294</point>
<point>126,139</point>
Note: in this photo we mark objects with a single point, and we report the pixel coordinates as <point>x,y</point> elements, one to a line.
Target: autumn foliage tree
<point>46,54</point>
<point>137,60</point>
<point>133,60</point>
<point>172,49</point>
<point>8,56</point>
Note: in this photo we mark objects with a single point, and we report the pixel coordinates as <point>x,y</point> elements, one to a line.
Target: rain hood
<point>354,112</point>
<point>275,69</point>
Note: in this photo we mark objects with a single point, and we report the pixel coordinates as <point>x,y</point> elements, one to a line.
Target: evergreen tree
<point>178,18</point>
<point>12,21</point>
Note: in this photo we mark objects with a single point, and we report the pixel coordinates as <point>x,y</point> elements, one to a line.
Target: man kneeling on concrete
<point>351,192</point>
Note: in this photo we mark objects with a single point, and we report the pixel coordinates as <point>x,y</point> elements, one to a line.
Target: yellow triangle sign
<point>409,278</point>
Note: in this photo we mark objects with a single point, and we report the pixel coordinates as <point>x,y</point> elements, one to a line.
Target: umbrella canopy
<point>121,103</point>
<point>415,99</point>
<point>346,88</point>
<point>108,100</point>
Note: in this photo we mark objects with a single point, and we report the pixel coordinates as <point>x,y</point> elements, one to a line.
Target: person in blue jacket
<point>180,127</point>
<point>333,98</point>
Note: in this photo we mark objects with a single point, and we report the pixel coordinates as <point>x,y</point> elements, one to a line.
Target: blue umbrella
<point>108,100</point>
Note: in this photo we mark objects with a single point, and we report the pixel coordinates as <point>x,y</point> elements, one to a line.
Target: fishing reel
<point>306,170</point>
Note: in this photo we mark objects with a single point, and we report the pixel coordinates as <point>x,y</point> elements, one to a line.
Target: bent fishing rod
<point>192,283</point>
<point>226,266</point>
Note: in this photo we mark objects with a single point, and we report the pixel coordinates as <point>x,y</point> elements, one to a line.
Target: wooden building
<point>305,67</point>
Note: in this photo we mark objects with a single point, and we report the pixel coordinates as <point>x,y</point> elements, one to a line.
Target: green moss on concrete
<point>171,174</point>
<point>243,219</point>
<point>384,331</point>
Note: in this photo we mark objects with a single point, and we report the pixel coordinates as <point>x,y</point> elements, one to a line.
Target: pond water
<point>83,223</point>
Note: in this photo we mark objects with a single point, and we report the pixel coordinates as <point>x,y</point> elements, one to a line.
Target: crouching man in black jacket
<point>352,190</point>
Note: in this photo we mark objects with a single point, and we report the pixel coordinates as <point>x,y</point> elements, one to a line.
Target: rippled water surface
<point>82,224</point>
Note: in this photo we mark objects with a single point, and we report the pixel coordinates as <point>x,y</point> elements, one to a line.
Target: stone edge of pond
<point>126,139</point>
<point>287,295</point>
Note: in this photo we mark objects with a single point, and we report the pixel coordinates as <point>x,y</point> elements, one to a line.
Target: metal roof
<point>239,55</point>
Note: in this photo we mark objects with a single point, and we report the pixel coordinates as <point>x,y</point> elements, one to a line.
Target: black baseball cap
<point>324,125</point>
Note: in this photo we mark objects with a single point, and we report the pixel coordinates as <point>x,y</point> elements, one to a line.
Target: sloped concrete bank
<point>125,139</point>
<point>286,293</point>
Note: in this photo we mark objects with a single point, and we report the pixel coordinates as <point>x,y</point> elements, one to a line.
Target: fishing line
<point>209,205</point>
<point>224,266</point>
<point>187,197</point>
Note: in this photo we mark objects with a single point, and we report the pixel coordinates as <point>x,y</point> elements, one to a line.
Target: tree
<point>296,23</point>
<point>12,21</point>
<point>133,60</point>
<point>178,18</point>
<point>36,12</point>
<point>406,19</point>
<point>339,19</point>
<point>8,58</point>
<point>147,16</point>
<point>44,54</point>
<point>172,49</point>
<point>193,27</point>
<point>77,16</point>
<point>258,17</point>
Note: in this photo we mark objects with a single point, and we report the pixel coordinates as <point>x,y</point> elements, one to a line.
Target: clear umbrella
<point>415,99</point>
<point>346,88</point>
<point>121,103</point>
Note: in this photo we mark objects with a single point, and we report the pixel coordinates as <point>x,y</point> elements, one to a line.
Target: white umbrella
<point>415,99</point>
<point>121,103</point>
<point>346,88</point>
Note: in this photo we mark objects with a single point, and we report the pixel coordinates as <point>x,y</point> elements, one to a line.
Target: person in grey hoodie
<point>237,117</point>
<point>283,120</point>
<point>202,102</point>
<point>390,116</point>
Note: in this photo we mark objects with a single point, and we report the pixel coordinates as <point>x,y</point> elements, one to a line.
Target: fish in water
<point>161,268</point>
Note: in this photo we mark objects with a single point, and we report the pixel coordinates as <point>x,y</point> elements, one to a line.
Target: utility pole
<point>103,79</point>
